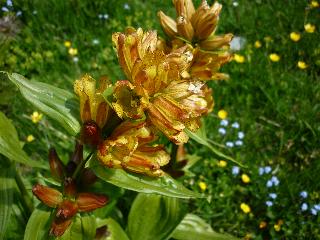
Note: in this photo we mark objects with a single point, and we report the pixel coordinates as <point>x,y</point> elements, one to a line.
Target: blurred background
<point>267,115</point>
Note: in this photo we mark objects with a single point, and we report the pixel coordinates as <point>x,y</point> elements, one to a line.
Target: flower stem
<point>81,165</point>
<point>25,197</point>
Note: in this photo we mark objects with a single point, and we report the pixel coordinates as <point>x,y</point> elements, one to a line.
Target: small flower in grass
<point>235,4</point>
<point>95,41</point>
<point>67,44</point>
<point>261,171</point>
<point>5,9</point>
<point>75,59</point>
<point>294,36</point>
<point>267,169</point>
<point>224,122</point>
<point>73,51</point>
<point>273,195</point>
<point>302,65</point>
<point>235,125</point>
<point>268,39</point>
<point>277,227</point>
<point>314,211</point>
<point>202,186</point>
<point>309,28</point>
<point>222,163</point>
<point>30,138</point>
<point>317,207</point>
<point>245,178</point>
<point>275,180</point>
<point>238,143</point>
<point>235,170</point>
<point>304,194</point>
<point>257,44</point>
<point>263,225</point>
<point>240,135</point>
<point>19,13</point>
<point>230,144</point>
<point>304,207</point>
<point>222,114</point>
<point>126,6</point>
<point>274,57</point>
<point>245,208</point>
<point>222,131</point>
<point>36,117</point>
<point>269,203</point>
<point>239,58</point>
<point>314,4</point>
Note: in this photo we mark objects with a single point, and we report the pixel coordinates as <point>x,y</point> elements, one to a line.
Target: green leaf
<point>10,145</point>
<point>107,95</point>
<point>38,225</point>
<point>200,137</point>
<point>162,185</point>
<point>154,217</point>
<point>57,103</point>
<point>193,227</point>
<point>6,198</point>
<point>114,229</point>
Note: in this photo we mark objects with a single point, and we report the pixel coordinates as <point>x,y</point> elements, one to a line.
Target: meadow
<point>266,115</point>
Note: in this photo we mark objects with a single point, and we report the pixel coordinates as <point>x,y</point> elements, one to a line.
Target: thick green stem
<point>25,197</point>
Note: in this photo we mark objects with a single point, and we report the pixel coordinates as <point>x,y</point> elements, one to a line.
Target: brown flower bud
<point>59,226</point>
<point>67,209</point>
<point>185,28</point>
<point>70,187</point>
<point>91,133</point>
<point>56,165</point>
<point>168,25</point>
<point>49,196</point>
<point>88,201</point>
<point>216,42</point>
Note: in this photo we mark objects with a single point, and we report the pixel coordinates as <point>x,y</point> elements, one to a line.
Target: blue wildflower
<point>275,180</point>
<point>235,170</point>
<point>240,135</point>
<point>303,194</point>
<point>224,122</point>
<point>222,131</point>
<point>235,125</point>
<point>261,171</point>
<point>9,3</point>
<point>269,203</point>
<point>269,183</point>
<point>314,211</point>
<point>229,144</point>
<point>5,9</point>
<point>267,169</point>
<point>304,207</point>
<point>238,143</point>
<point>75,59</point>
<point>19,13</point>
<point>126,6</point>
<point>273,195</point>
<point>105,16</point>
<point>317,207</point>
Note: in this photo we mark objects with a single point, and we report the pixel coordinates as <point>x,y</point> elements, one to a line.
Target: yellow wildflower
<point>222,114</point>
<point>314,4</point>
<point>222,163</point>
<point>73,51</point>
<point>257,44</point>
<point>67,44</point>
<point>268,39</point>
<point>248,236</point>
<point>294,36</point>
<point>277,227</point>
<point>310,28</point>
<point>274,57</point>
<point>302,65</point>
<point>262,225</point>
<point>202,186</point>
<point>30,138</point>
<point>245,208</point>
<point>36,117</point>
<point>245,178</point>
<point>239,58</point>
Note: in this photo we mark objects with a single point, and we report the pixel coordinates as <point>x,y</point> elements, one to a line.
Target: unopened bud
<point>67,209</point>
<point>70,187</point>
<point>59,226</point>
<point>56,165</point>
<point>49,196</point>
<point>91,133</point>
<point>88,201</point>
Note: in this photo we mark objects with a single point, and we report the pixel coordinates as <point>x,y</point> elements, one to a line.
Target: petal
<point>59,226</point>
<point>56,165</point>
<point>88,201</point>
<point>49,196</point>
<point>168,25</point>
<point>67,209</point>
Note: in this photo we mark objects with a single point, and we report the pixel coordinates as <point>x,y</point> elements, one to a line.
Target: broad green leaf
<point>57,103</point>
<point>193,227</point>
<point>10,145</point>
<point>38,225</point>
<point>6,198</point>
<point>163,185</point>
<point>114,229</point>
<point>154,217</point>
<point>201,138</point>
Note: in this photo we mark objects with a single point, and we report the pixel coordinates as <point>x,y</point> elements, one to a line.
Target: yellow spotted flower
<point>309,28</point>
<point>202,186</point>
<point>30,138</point>
<point>67,44</point>
<point>73,51</point>
<point>222,163</point>
<point>245,208</point>
<point>294,36</point>
<point>302,65</point>
<point>239,58</point>
<point>222,114</point>
<point>257,44</point>
<point>274,57</point>
<point>314,4</point>
<point>128,148</point>
<point>245,178</point>
<point>36,117</point>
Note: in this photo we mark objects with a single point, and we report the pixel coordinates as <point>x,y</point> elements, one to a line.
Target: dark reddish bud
<point>89,201</point>
<point>49,196</point>
<point>102,232</point>
<point>56,165</point>
<point>67,209</point>
<point>77,155</point>
<point>59,226</point>
<point>88,177</point>
<point>70,187</point>
<point>91,133</point>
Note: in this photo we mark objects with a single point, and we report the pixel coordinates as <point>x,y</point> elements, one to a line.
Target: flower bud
<point>168,25</point>
<point>56,165</point>
<point>185,28</point>
<point>88,201</point>
<point>91,133</point>
<point>70,187</point>
<point>59,226</point>
<point>49,196</point>
<point>67,209</point>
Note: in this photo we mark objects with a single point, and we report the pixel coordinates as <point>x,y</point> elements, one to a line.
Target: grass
<point>275,103</point>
